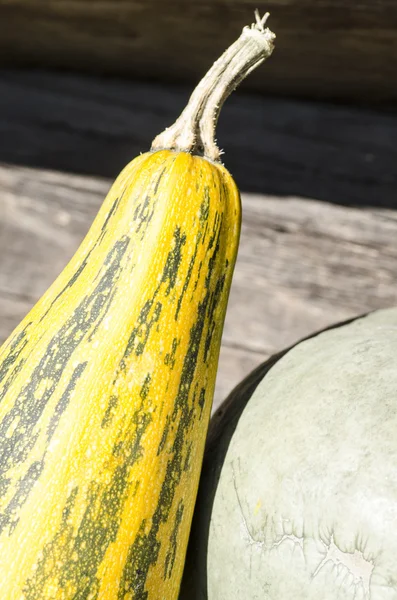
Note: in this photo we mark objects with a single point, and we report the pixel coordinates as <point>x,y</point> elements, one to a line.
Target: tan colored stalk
<point>194,130</point>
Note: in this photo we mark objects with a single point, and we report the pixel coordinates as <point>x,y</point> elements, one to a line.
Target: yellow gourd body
<point>106,389</point>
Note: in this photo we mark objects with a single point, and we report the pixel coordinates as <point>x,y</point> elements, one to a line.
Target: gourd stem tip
<point>260,21</point>
<point>194,130</point>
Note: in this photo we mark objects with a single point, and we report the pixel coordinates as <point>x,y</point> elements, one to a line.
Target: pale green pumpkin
<point>298,496</point>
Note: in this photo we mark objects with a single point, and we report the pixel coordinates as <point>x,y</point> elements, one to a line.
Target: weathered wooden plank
<point>325,48</point>
<point>274,146</point>
<point>303,264</point>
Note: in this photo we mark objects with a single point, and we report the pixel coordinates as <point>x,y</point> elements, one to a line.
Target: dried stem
<point>194,130</point>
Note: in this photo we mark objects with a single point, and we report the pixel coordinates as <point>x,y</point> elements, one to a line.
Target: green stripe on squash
<point>107,384</point>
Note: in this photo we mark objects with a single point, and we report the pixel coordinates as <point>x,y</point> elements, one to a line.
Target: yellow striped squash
<point>106,386</point>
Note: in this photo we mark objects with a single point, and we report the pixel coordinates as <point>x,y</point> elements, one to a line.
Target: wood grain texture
<point>325,48</point>
<point>302,264</point>
<point>318,242</point>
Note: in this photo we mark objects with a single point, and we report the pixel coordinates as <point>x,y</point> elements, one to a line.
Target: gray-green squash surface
<point>298,496</point>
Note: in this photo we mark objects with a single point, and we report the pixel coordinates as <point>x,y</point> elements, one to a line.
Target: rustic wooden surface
<point>325,48</point>
<point>319,244</point>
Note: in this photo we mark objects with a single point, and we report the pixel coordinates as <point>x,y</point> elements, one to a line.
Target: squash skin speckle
<point>106,389</point>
